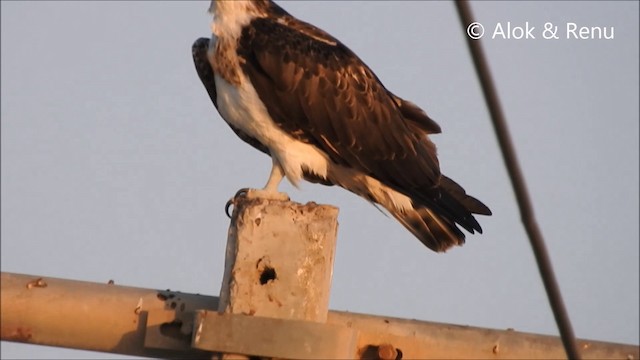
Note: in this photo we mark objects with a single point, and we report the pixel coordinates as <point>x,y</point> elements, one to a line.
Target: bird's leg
<point>275,178</point>
<point>270,190</point>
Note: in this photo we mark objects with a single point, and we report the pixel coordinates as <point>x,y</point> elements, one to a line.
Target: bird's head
<point>229,7</point>
<point>230,16</point>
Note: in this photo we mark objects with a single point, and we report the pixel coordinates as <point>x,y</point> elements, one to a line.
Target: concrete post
<point>279,259</point>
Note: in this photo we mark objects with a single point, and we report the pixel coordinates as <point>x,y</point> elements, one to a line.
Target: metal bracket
<point>166,329</point>
<point>270,337</point>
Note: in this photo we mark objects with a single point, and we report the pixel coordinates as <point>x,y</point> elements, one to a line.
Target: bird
<point>299,95</point>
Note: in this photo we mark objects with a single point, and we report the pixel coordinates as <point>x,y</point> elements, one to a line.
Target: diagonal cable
<point>519,185</point>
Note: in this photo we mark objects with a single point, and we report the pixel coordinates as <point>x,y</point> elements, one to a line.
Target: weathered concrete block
<point>279,259</point>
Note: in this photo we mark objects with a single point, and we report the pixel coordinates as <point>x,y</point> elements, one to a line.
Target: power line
<point>519,185</point>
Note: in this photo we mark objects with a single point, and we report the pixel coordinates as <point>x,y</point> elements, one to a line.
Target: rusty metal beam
<point>155,323</point>
<point>92,316</point>
<point>430,340</point>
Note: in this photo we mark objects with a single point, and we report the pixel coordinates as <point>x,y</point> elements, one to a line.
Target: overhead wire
<point>518,183</point>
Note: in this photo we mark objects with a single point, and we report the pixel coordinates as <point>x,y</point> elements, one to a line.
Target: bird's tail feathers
<point>456,191</point>
<point>433,220</point>
<point>434,231</point>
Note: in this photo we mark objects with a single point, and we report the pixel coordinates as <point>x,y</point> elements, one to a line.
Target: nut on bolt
<point>36,283</point>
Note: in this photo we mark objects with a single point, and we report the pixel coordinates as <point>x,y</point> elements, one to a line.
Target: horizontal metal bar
<point>92,316</point>
<point>112,318</point>
<point>430,340</point>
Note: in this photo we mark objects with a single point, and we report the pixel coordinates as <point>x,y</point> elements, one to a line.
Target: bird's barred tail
<point>436,224</point>
<point>432,218</point>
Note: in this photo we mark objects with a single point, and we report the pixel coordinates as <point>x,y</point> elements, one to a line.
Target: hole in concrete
<point>268,274</point>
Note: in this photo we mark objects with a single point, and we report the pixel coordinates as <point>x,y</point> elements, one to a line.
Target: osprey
<point>296,93</point>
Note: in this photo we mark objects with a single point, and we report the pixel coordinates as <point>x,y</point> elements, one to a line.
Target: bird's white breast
<point>241,107</point>
<point>239,103</point>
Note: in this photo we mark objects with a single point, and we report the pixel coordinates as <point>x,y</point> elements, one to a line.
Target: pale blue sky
<point>115,161</point>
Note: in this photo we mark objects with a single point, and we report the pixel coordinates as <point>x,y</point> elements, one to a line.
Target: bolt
<point>36,283</point>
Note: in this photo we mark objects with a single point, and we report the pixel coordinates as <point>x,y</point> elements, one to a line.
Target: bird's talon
<point>232,201</point>
<point>241,192</point>
<point>227,206</point>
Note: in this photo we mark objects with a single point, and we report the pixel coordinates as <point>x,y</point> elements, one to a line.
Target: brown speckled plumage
<point>320,93</point>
